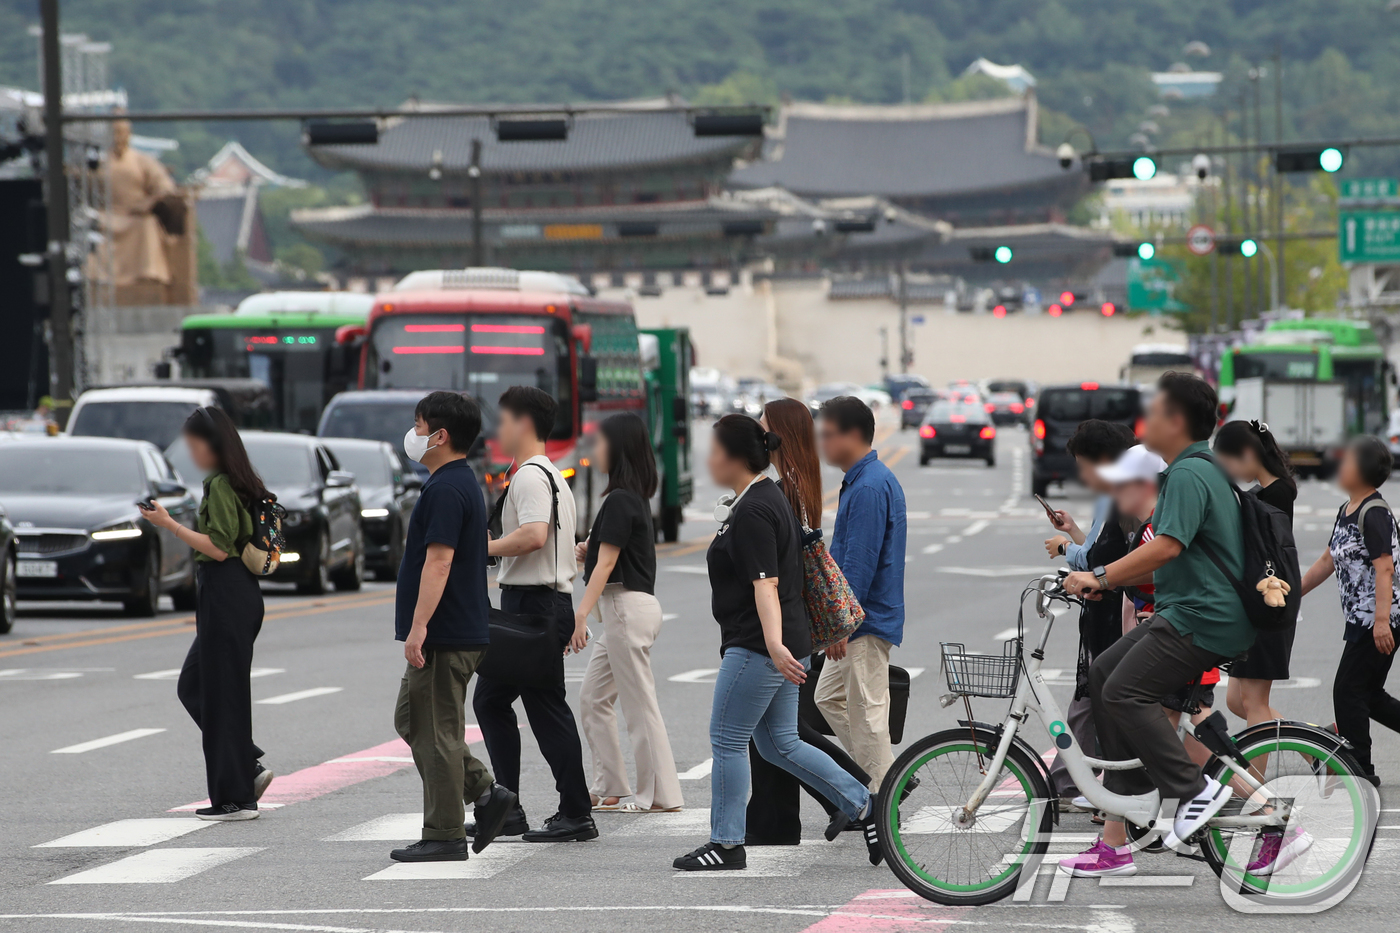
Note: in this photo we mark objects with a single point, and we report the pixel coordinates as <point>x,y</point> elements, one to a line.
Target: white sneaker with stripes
<point>712,857</point>
<point>1192,814</point>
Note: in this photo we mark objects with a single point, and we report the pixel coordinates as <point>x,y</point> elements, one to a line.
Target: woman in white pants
<point>619,568</point>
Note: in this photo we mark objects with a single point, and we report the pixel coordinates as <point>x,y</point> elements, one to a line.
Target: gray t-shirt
<point>529,499</point>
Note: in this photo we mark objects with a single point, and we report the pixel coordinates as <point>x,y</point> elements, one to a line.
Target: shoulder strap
<point>553,514</point>
<point>1361,520</point>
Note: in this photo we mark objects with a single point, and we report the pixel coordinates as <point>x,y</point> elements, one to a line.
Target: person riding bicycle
<point>1199,620</point>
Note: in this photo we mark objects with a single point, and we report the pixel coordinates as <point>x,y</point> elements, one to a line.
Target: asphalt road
<point>92,837</point>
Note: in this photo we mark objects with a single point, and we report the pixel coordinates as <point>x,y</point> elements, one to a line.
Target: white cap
<point>1136,463</point>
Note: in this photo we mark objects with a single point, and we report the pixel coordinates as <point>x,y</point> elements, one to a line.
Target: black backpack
<point>1269,551</point>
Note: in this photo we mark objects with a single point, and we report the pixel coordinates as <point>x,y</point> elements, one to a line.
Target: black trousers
<point>1358,696</point>
<point>214,681</point>
<point>1126,684</point>
<point>775,805</point>
<point>551,719</point>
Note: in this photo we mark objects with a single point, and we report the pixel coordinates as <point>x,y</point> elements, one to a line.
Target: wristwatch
<point>1061,549</point>
<point>1101,575</point>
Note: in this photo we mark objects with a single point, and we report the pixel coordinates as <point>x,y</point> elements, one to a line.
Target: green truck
<point>666,360</point>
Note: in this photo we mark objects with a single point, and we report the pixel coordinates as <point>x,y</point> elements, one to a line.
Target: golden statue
<point>138,184</point>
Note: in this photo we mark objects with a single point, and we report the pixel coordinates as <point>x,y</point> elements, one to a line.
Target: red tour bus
<point>484,330</point>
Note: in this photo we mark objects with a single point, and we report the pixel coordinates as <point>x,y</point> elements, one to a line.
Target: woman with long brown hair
<point>774,809</point>
<point>214,681</point>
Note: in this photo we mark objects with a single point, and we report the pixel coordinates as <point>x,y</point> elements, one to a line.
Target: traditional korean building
<point>977,163</point>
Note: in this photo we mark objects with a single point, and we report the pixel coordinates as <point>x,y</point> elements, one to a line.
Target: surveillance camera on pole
<point>1200,164</point>
<point>1065,153</point>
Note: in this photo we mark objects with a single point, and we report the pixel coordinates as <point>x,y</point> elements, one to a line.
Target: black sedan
<point>913,404</point>
<point>80,536</point>
<point>9,557</point>
<point>322,527</point>
<point>1006,408</point>
<point>387,496</point>
<point>957,429</point>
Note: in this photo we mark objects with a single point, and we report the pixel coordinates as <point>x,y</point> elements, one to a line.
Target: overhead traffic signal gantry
<point>1325,159</point>
<point>1142,167</point>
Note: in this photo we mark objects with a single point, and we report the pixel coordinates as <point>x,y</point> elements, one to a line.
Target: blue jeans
<point>753,700</point>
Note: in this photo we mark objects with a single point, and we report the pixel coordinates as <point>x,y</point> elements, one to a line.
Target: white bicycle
<point>966,814</point>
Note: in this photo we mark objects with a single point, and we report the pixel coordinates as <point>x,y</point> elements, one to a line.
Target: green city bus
<point>284,339</point>
<point>1319,349</point>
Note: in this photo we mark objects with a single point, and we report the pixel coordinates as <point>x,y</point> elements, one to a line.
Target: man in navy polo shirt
<point>440,614</point>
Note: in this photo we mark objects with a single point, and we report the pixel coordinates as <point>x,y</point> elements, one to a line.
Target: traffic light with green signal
<point>1328,159</point>
<point>1140,167</point>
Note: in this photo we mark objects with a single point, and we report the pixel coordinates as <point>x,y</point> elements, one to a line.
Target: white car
<point>147,413</point>
<point>875,398</point>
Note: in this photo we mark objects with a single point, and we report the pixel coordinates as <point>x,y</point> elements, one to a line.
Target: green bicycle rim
<point>904,855</point>
<point>1268,882</point>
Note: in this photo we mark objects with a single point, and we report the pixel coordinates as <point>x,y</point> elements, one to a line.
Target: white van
<point>147,413</point>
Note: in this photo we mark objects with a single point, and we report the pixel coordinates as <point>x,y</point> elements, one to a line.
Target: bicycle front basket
<point>982,675</point>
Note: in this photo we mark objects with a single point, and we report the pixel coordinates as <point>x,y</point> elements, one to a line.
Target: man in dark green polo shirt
<point>1199,619</point>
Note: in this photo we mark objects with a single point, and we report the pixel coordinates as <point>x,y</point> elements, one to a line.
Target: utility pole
<point>1282,271</point>
<point>56,211</point>
<point>906,352</point>
<point>474,173</point>
<point>1259,227</point>
<point>1246,270</point>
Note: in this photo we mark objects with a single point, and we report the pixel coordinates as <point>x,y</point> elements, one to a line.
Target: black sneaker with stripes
<point>872,841</point>
<point>712,857</point>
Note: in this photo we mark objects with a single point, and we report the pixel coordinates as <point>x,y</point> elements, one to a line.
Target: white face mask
<point>416,445</point>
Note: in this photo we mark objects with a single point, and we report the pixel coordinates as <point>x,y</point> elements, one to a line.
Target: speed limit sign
<point>1200,240</point>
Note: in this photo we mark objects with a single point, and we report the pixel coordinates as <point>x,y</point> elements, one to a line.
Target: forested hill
<point>1091,57</point>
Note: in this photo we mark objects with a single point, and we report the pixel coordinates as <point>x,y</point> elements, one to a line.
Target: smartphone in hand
<point>146,505</point>
<point>1054,518</point>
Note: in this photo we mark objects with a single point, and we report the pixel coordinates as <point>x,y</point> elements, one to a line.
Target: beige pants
<point>854,696</point>
<point>620,672</point>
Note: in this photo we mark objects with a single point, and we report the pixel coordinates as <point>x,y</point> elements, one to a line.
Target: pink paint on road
<point>337,774</point>
<point>885,911</point>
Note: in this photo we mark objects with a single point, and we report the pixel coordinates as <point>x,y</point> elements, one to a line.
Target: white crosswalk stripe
<point>494,860</point>
<point>157,866</point>
<point>128,833</point>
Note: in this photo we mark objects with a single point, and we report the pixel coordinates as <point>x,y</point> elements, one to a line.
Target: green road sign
<point>1370,189</point>
<point>1368,236</point>
<point>1151,284</point>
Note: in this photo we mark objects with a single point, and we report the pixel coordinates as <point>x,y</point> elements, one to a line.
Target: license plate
<point>957,448</point>
<point>36,568</point>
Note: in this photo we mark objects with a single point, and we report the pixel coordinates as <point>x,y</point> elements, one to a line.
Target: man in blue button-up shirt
<point>868,544</point>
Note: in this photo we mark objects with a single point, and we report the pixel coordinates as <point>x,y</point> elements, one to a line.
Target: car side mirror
<point>338,479</point>
<point>412,481</point>
<point>168,487</point>
<point>587,379</point>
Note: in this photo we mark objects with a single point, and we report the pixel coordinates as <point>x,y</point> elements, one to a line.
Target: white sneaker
<point>1194,813</point>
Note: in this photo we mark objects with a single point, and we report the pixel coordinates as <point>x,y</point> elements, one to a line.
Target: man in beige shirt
<point>536,578</point>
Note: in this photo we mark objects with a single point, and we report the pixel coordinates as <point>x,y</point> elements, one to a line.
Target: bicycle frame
<point>1033,695</point>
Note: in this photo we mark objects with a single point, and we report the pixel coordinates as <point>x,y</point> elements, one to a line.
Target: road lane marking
<point>992,571</point>
<point>117,739</point>
<point>701,675</point>
<point>389,828</point>
<point>932,548</point>
<point>1147,881</point>
<point>668,616</point>
<point>176,626</point>
<point>699,772</point>
<point>691,821</point>
<point>173,673</point>
<point>689,568</point>
<point>300,695</point>
<point>128,833</point>
<point>480,866</point>
<point>337,774</point>
<point>975,528</point>
<point>1006,633</point>
<point>157,866</point>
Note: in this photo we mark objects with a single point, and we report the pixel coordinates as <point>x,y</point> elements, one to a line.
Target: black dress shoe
<point>515,824</point>
<point>560,828</point>
<point>838,824</point>
<point>492,816</point>
<point>432,850</point>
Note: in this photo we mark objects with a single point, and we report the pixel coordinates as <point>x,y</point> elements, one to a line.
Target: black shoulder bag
<point>526,650</point>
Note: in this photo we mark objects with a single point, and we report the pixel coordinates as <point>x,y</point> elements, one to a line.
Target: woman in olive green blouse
<point>214,682</point>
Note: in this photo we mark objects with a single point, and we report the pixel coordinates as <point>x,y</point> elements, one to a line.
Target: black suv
<point>1059,411</point>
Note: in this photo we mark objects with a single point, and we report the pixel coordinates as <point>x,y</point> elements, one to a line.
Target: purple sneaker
<point>1277,850</point>
<point>1098,860</point>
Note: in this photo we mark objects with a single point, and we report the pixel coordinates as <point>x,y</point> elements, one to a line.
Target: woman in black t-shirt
<point>756,578</point>
<point>1250,454</point>
<point>619,568</point>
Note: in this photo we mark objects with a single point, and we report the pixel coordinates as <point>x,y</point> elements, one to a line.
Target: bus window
<point>482,354</point>
<point>1276,365</point>
<point>1365,394</point>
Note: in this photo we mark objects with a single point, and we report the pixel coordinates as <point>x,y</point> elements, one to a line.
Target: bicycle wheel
<point>922,798</point>
<point>1325,843</point>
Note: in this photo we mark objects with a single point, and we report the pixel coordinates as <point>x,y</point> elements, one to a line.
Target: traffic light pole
<point>474,172</point>
<point>56,211</point>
